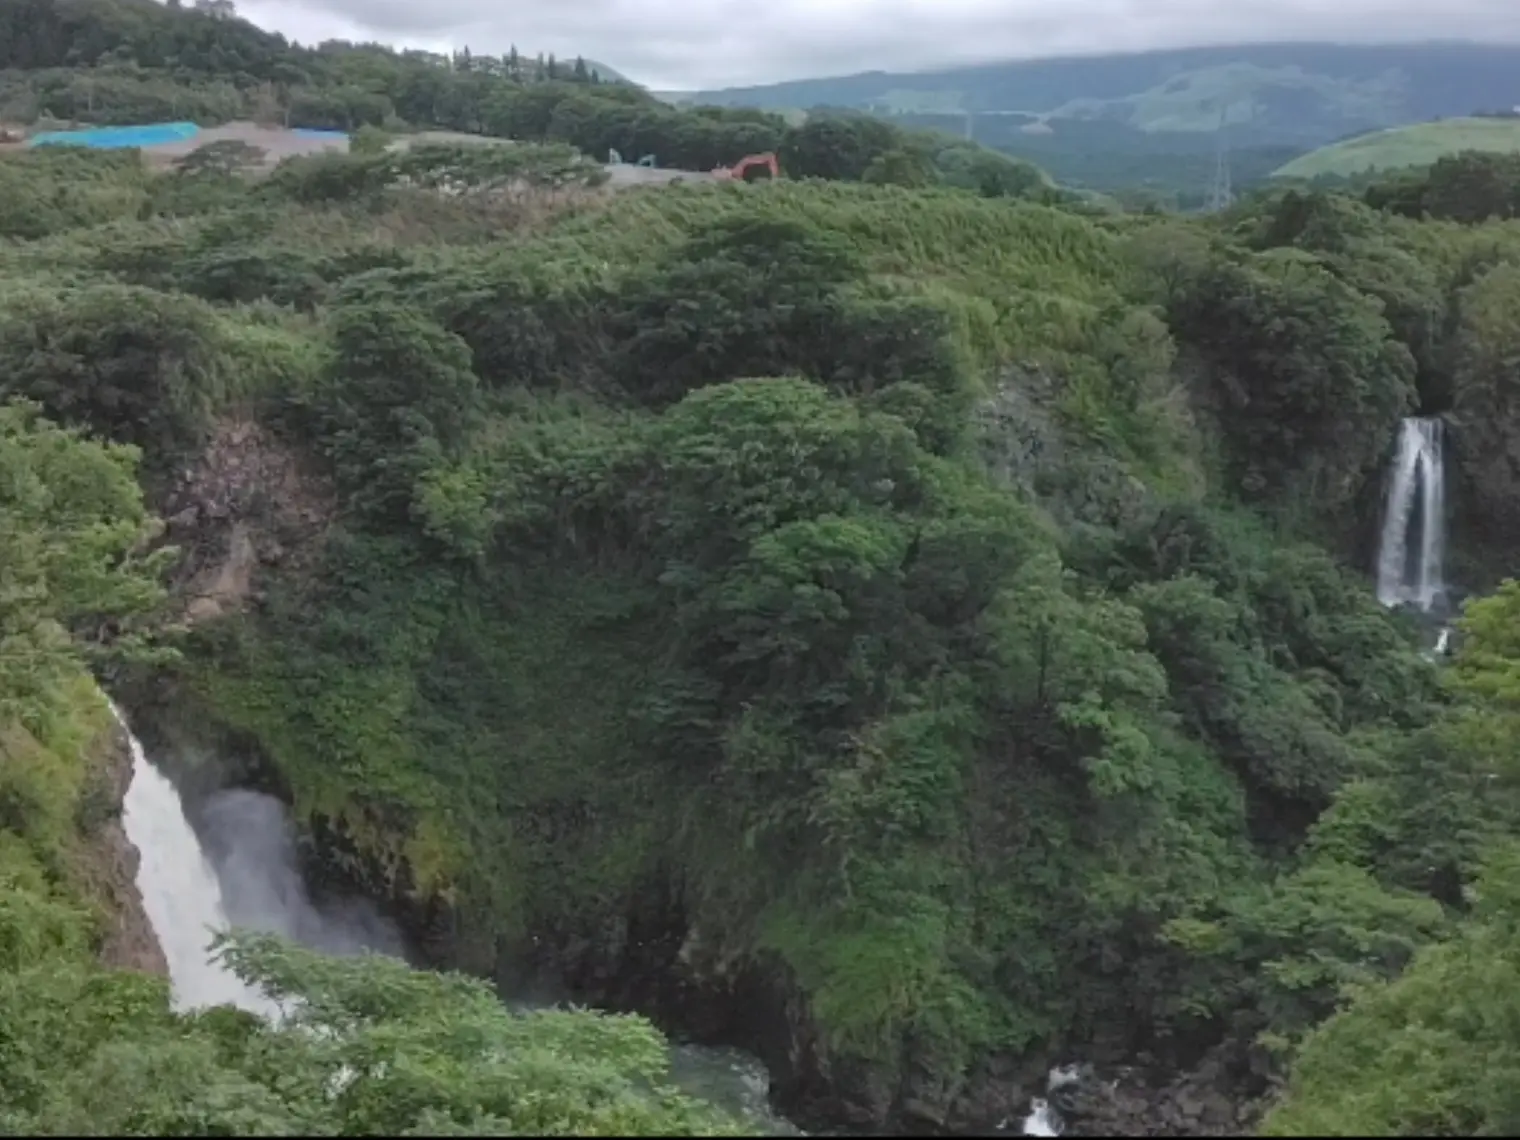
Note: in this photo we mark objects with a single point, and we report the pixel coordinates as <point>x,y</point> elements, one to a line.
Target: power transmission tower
<point>1220,192</point>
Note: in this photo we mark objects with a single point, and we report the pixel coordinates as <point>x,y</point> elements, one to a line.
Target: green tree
<point>1300,371</point>
<point>398,398</point>
<point>836,147</point>
<point>1435,1052</point>
<point>135,364</point>
<point>369,1047</point>
<point>899,168</point>
<point>1486,382</point>
<point>73,575</point>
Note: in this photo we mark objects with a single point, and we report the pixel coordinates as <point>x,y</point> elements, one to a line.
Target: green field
<point>1417,145</point>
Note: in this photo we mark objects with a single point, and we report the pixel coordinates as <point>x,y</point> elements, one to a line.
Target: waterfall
<point>247,875</point>
<point>1410,555</point>
<point>180,891</point>
<point>1041,1121</point>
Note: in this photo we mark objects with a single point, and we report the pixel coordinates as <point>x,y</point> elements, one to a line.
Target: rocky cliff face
<point>1220,1096</point>
<point>247,502</point>
<point>110,860</point>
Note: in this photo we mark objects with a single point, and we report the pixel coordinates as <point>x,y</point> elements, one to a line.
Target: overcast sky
<point>704,44</point>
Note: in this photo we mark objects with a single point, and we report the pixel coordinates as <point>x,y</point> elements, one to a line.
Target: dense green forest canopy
<point>940,608</point>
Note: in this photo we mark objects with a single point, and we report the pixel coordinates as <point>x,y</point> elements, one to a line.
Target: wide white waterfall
<point>1413,545</point>
<point>180,891</point>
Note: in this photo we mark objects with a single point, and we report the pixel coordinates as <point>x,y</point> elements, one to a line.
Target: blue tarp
<point>314,133</point>
<point>109,138</point>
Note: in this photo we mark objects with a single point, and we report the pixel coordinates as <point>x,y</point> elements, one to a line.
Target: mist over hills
<point>1154,119</point>
<point>1287,93</point>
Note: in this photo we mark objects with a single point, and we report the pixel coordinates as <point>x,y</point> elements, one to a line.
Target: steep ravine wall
<point>648,960</point>
<point>240,476</point>
<point>250,507</point>
<point>108,861</point>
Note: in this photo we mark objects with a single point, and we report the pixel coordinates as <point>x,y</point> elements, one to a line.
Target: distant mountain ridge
<point>1303,94</point>
<point>1147,125</point>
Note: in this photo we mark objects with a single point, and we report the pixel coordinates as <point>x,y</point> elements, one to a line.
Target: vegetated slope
<point>870,612</point>
<point>603,72</point>
<point>1401,147</point>
<point>1471,187</point>
<point>115,62</point>
<point>894,628</point>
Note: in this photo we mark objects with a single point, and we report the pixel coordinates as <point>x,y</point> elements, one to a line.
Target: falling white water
<point>1410,572</point>
<point>1041,1120</point>
<point>180,891</point>
<point>1061,1076</point>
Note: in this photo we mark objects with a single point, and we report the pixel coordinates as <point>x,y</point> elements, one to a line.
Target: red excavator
<point>737,171</point>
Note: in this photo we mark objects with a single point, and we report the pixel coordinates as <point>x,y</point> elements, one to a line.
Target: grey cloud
<point>718,43</point>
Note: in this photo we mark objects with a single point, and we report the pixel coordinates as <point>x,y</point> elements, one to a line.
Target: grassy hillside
<point>1240,95</point>
<point>1174,167</point>
<point>1417,145</point>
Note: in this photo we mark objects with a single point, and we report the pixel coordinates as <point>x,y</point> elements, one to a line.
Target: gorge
<point>251,879</point>
<point>918,629</point>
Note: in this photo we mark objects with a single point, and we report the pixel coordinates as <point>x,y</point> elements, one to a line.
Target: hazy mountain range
<point>1303,94</point>
<point>1154,118</point>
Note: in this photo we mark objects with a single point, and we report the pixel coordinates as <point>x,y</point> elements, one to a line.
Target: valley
<point>895,648</point>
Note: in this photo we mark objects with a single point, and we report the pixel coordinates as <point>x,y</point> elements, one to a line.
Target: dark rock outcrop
<point>1214,1098</point>
<point>249,500</point>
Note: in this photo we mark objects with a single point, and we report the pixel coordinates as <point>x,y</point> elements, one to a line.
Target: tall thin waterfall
<point>1413,544</point>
